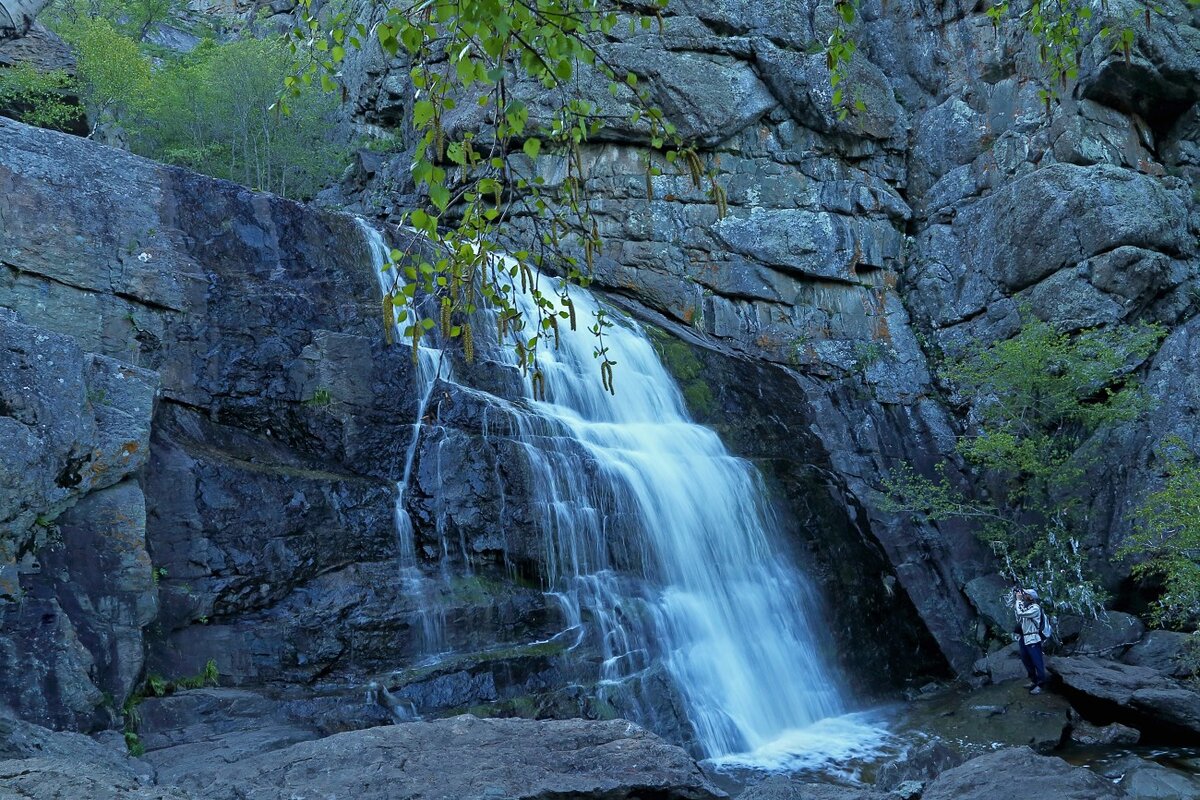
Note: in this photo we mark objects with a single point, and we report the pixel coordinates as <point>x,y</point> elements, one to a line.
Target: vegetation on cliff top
<point>209,109</point>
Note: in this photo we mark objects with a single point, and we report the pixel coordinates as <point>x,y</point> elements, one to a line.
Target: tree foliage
<point>133,18</point>
<point>211,111</point>
<point>1038,397</point>
<point>114,76</point>
<point>498,107</point>
<point>1168,536</point>
<point>38,98</point>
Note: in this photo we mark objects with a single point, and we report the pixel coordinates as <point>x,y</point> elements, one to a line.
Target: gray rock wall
<point>856,251</point>
<point>166,464</point>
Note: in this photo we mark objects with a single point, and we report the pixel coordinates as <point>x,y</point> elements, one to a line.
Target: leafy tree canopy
<point>480,136</point>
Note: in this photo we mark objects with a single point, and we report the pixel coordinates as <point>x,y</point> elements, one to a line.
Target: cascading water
<point>727,613</point>
<point>663,542</point>
<point>430,366</point>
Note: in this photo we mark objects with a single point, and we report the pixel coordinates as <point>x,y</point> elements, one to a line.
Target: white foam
<point>831,746</point>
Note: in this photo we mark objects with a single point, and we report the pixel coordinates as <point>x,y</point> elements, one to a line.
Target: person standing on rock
<point>1028,634</point>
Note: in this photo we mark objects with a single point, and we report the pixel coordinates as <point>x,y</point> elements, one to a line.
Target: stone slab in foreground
<point>1019,772</point>
<point>1141,693</point>
<point>464,758</point>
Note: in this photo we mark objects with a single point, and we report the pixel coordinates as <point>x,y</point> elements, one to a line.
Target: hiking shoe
<point>1036,690</point>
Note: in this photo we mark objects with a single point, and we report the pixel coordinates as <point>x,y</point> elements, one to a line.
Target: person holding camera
<point>1029,636</point>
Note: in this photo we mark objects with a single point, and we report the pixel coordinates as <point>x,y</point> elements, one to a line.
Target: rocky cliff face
<point>857,251</point>
<point>165,462</point>
<point>196,393</point>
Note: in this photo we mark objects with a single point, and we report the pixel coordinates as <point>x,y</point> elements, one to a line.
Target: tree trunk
<point>17,15</point>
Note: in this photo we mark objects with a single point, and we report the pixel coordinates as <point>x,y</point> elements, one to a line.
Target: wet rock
<point>1142,696</point>
<point>1085,733</point>
<point>781,787</point>
<point>1019,772</point>
<point>466,758</point>
<point>920,765</point>
<point>1150,781</point>
<point>1001,714</point>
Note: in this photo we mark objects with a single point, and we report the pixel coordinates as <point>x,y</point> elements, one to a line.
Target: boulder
<point>1085,733</point>
<point>920,764</point>
<point>1138,695</point>
<point>40,764</point>
<point>988,593</point>
<point>1164,651</point>
<point>1002,665</point>
<point>1151,781</point>
<point>464,758</point>
<point>783,787</point>
<point>1019,772</point>
<point>17,15</point>
<point>1110,635</point>
<point>41,48</point>
<point>801,82</point>
<point>50,779</point>
<point>1161,78</point>
<point>218,726</point>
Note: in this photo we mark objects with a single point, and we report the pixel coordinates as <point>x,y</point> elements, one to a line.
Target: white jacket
<point>1029,617</point>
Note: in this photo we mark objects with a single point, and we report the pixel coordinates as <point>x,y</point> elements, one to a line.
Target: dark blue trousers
<point>1031,657</point>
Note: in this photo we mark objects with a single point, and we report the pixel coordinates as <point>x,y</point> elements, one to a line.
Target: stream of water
<point>664,543</point>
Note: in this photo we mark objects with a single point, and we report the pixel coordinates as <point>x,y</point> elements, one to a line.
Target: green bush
<point>38,98</point>
<point>114,76</point>
<point>1168,536</point>
<point>212,110</point>
<point>1037,398</point>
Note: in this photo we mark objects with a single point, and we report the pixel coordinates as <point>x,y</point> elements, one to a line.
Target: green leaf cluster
<point>1168,537</point>
<point>132,18</point>
<point>38,98</point>
<point>212,111</point>
<point>114,77</point>
<point>489,163</point>
<point>1036,399</point>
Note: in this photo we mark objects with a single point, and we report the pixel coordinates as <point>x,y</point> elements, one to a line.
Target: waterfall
<point>664,543</point>
<point>430,366</point>
<point>727,613</point>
